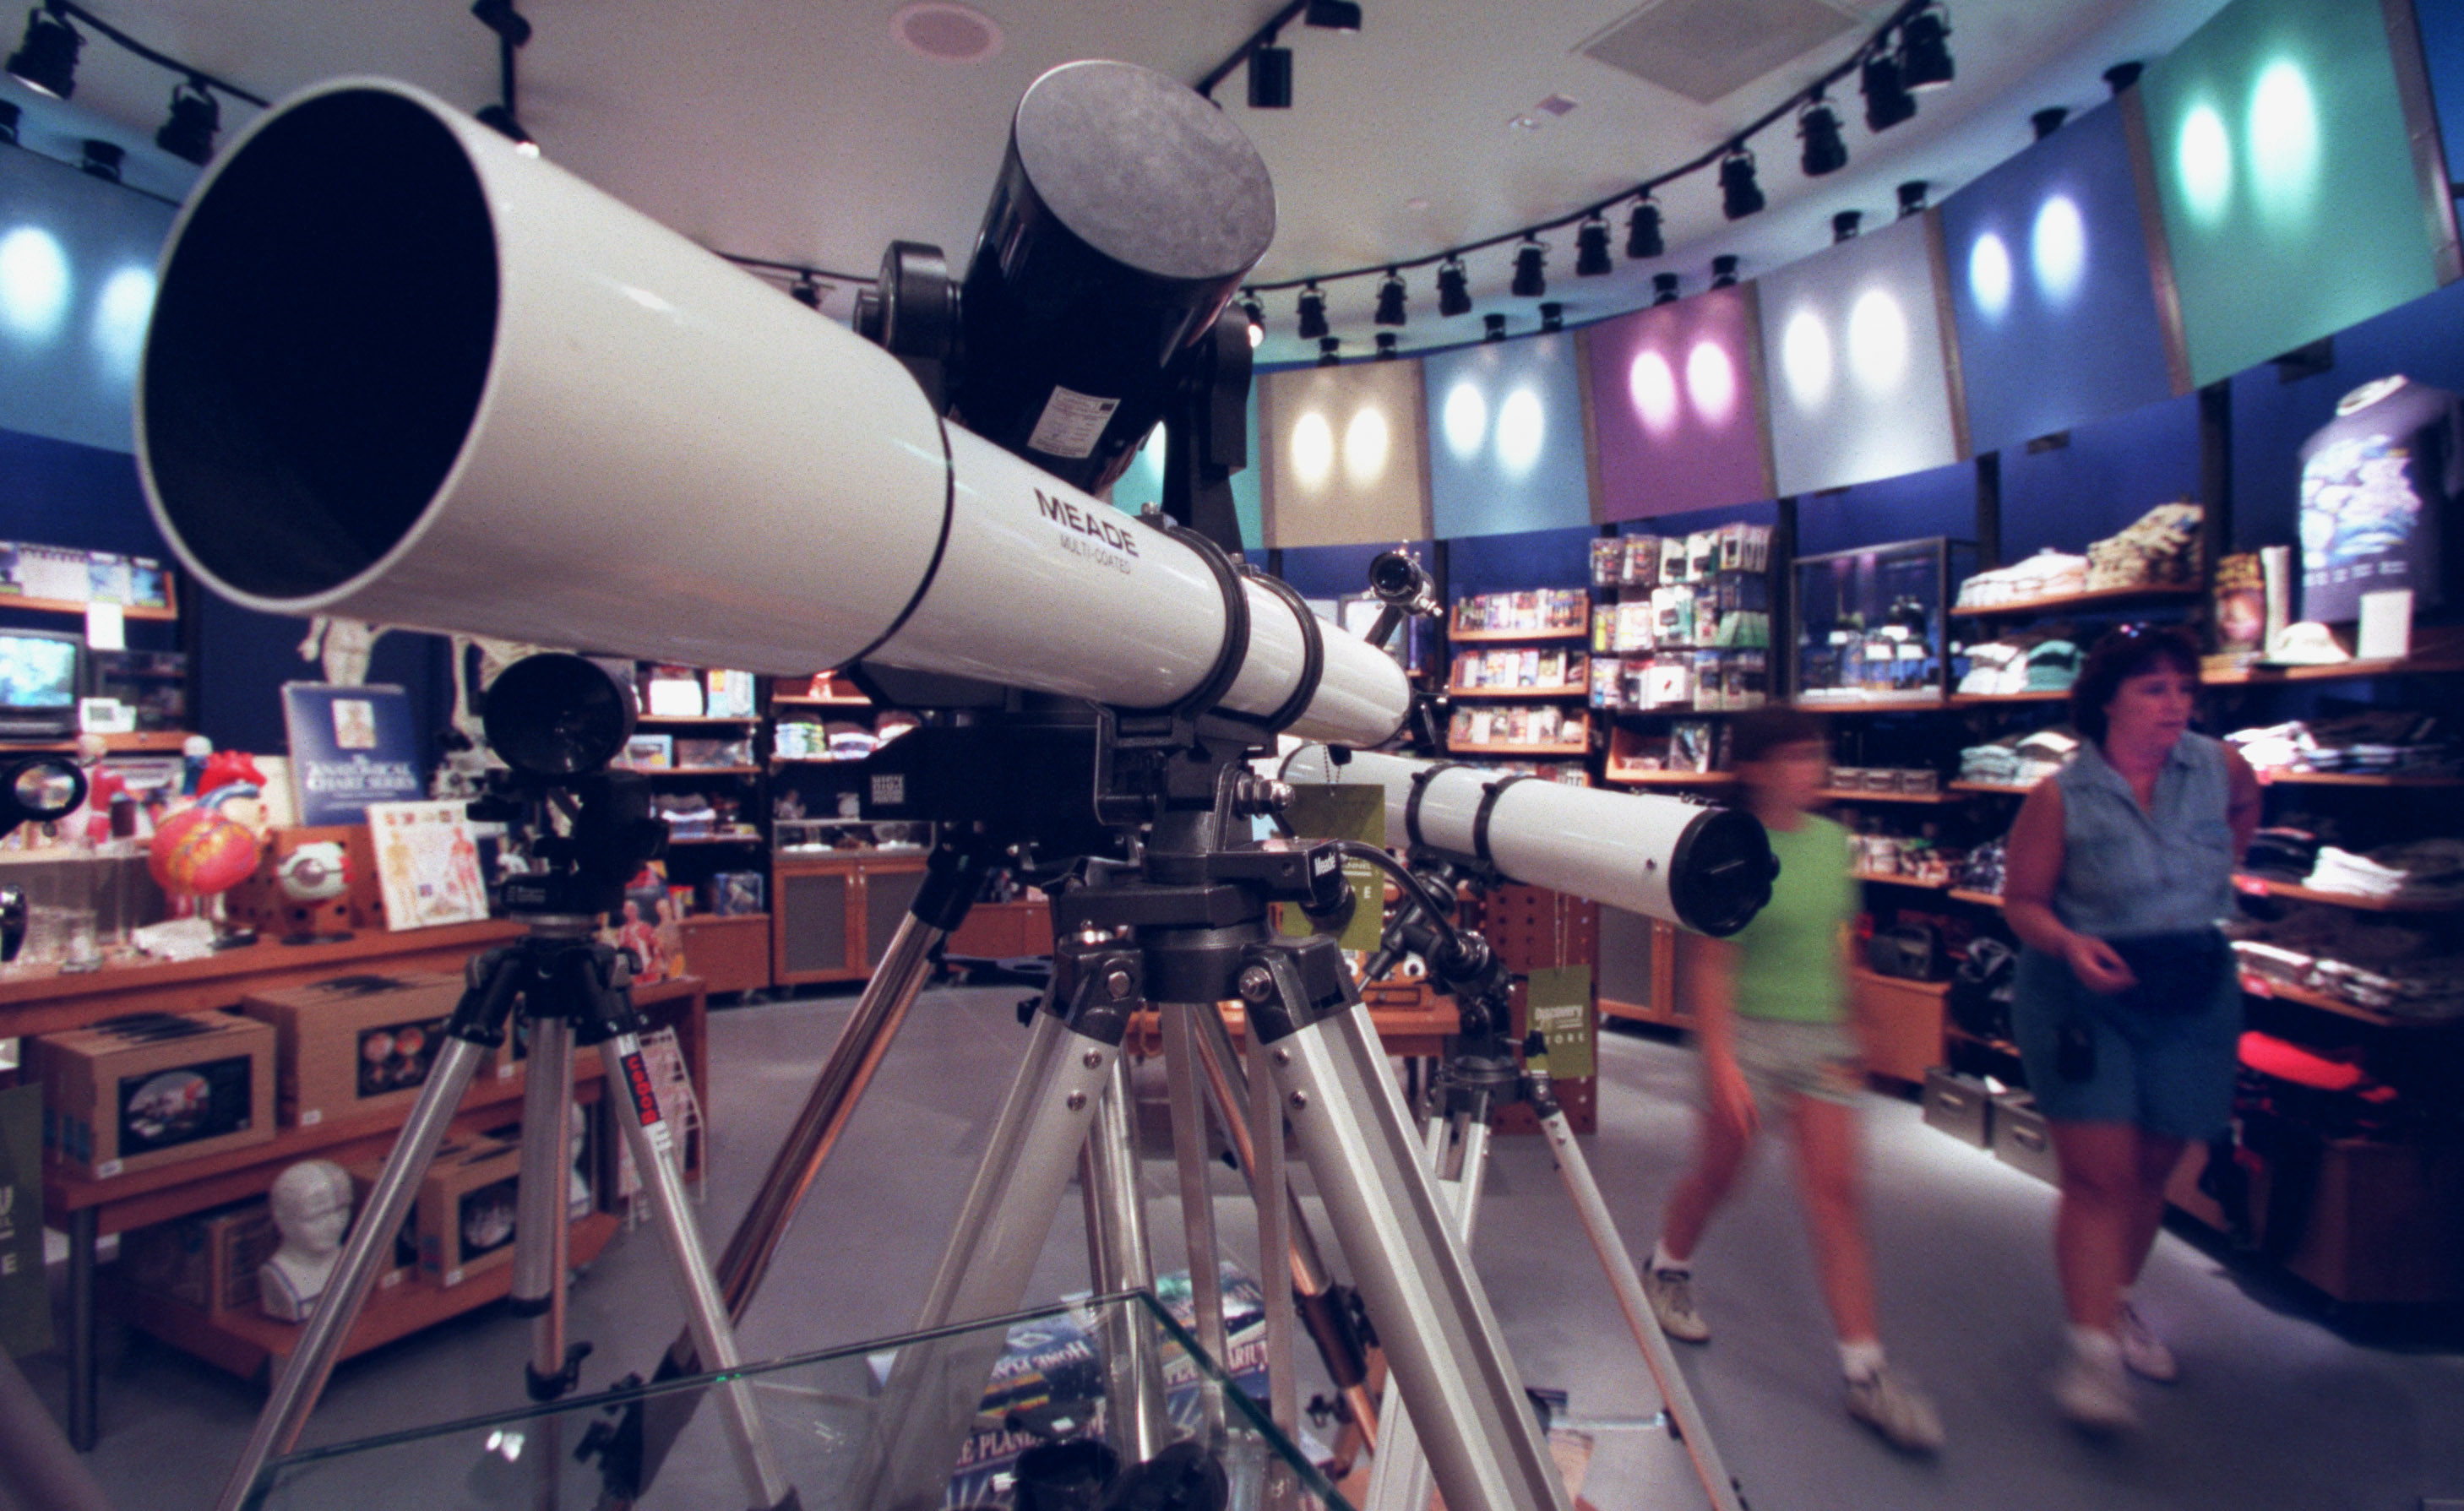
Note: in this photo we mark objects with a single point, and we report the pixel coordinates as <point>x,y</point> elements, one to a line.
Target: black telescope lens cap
<point>557,715</point>
<point>1719,871</point>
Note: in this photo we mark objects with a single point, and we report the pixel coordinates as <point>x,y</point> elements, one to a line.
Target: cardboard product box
<point>2020,1137</point>
<point>403,1263</point>
<point>208,1260</point>
<point>153,1088</point>
<point>357,1043</point>
<point>466,1212</point>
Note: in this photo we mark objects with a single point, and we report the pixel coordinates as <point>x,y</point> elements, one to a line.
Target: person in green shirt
<point>1772,1015</point>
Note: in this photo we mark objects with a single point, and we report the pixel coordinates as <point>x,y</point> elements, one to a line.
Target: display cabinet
<point>1869,624</point>
<point>832,912</point>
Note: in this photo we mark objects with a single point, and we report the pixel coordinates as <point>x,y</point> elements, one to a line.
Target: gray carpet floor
<point>2274,1410</point>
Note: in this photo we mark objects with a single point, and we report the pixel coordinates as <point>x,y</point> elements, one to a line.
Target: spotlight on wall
<point>1386,351</point>
<point>46,60</point>
<point>1723,271</point>
<point>1454,288</point>
<point>2048,120</point>
<point>500,17</point>
<point>102,159</point>
<point>1493,327</point>
<point>1740,196</point>
<point>1270,77</point>
<point>1334,15</point>
<point>9,114</point>
<point>1329,349</point>
<point>196,115</point>
<point>1552,317</point>
<point>1846,225</point>
<point>1887,100</point>
<point>1642,230</point>
<point>1663,288</point>
<point>1924,50</point>
<point>1912,197</point>
<point>1529,259</point>
<point>1312,310</point>
<point>500,119</point>
<point>1255,308</point>
<point>1818,124</point>
<point>1391,294</point>
<point>1592,257</point>
<point>2122,75</point>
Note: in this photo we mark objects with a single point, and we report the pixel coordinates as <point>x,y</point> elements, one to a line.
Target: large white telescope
<point>1708,868</point>
<point>399,372</point>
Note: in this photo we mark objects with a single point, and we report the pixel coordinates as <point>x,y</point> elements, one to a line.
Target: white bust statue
<point>312,1208</point>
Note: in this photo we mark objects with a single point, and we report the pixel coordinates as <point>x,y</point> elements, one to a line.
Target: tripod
<point>568,990</point>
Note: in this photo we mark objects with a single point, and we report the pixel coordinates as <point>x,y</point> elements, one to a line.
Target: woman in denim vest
<point>2127,1009</point>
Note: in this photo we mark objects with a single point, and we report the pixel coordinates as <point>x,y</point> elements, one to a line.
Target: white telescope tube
<point>399,372</point>
<point>1706,869</point>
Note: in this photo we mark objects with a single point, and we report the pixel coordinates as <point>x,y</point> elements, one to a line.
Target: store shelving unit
<point>1561,643</point>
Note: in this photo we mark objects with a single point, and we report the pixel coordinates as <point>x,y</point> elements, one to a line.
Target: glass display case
<point>1869,622</point>
<point>1043,1416</point>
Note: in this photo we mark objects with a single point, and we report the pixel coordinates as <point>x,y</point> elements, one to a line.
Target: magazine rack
<point>1048,1386</point>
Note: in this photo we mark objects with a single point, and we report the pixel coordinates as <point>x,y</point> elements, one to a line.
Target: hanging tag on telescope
<point>1561,1013</point>
<point>1345,811</point>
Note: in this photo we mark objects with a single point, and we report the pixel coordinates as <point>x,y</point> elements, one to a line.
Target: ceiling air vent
<point>1707,48</point>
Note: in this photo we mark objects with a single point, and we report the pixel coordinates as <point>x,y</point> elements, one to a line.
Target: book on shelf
<point>728,694</point>
<point>672,692</point>
<point>350,746</point>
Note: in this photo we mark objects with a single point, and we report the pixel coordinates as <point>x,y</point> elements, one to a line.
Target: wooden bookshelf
<point>801,702</point>
<point>691,771</point>
<point>2332,779</point>
<point>715,839</point>
<point>1987,700</point>
<point>1895,879</point>
<point>137,742</point>
<point>2001,789</point>
<point>2262,887</point>
<point>695,718</point>
<point>2446,659</point>
<point>1476,637</point>
<point>1886,703</point>
<point>1521,752</point>
<point>2286,991</point>
<point>1631,776</point>
<point>1860,795</point>
<point>1568,689</point>
<point>1960,894</point>
<point>2102,598</point>
<point>78,606</point>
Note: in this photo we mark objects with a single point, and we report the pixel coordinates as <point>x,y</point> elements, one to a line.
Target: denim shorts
<point>2165,1072</point>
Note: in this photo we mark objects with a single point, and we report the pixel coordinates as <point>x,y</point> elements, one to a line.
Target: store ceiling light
<point>1386,347</point>
<point>1740,196</point>
<point>500,119</point>
<point>1912,197</point>
<point>1530,260</point>
<point>196,116</point>
<point>9,114</point>
<point>1333,15</point>
<point>1329,351</point>
<point>1846,225</point>
<point>1925,50</point>
<point>1887,100</point>
<point>1552,317</point>
<point>2122,75</point>
<point>1391,294</point>
<point>2048,120</point>
<point>1723,271</point>
<point>1454,288</point>
<point>1493,327</point>
<point>1312,312</point>
<point>500,17</point>
<point>805,292</point>
<point>1255,308</point>
<point>1663,288</point>
<point>102,159</point>
<point>1642,237</point>
<point>1819,125</point>
<point>1271,77</point>
<point>46,60</point>
<point>1591,259</point>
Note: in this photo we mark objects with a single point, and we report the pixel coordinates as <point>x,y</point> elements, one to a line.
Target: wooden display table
<point>729,951</point>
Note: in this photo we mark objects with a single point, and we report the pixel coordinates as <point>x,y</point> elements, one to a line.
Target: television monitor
<point>42,673</point>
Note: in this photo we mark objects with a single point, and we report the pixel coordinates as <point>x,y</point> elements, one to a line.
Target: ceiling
<point>811,133</point>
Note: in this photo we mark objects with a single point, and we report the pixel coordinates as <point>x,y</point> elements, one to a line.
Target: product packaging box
<point>403,1262</point>
<point>466,1212</point>
<point>153,1088</point>
<point>2020,1137</point>
<point>1961,1105</point>
<point>357,1043</point>
<point>208,1260</point>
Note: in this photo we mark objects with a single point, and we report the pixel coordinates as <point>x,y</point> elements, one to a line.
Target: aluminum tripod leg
<point>1601,1229</point>
<point>1197,1197</point>
<point>1118,1258</point>
<point>935,1387</point>
<point>1432,1317</point>
<point>542,1235</point>
<point>304,1373</point>
<point>1399,1477</point>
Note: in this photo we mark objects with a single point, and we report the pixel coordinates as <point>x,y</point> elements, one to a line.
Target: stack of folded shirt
<point>2377,742</point>
<point>2161,547</point>
<point>2424,871</point>
<point>2048,574</point>
<point>2017,761</point>
<point>1982,870</point>
<point>2332,950</point>
<point>2053,667</point>
<point>1996,667</point>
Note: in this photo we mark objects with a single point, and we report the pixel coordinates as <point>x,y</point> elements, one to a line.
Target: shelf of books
<point>1684,626</point>
<point>1690,753</point>
<point>1531,673</point>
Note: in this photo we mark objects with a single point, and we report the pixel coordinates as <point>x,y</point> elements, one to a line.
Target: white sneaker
<point>1671,1295</point>
<point>2094,1393</point>
<point>1892,1406</point>
<point>2142,1353</point>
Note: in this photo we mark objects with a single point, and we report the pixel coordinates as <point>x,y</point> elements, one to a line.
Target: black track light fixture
<point>1391,294</point>
<point>1454,288</point>
<point>500,17</point>
<point>1270,77</point>
<point>1740,196</point>
<point>46,60</point>
<point>1723,271</point>
<point>1329,351</point>
<point>1819,125</point>
<point>196,116</point>
<point>500,119</point>
<point>1887,100</point>
<point>9,114</point>
<point>1642,230</point>
<point>1333,15</point>
<point>1924,50</point>
<point>805,292</point>
<point>1255,308</point>
<point>1530,262</point>
<point>1845,226</point>
<point>1552,318</point>
<point>2122,75</point>
<point>1912,197</point>
<point>1312,312</point>
<point>1493,327</point>
<point>1663,288</point>
<point>1386,347</point>
<point>1592,257</point>
<point>101,160</point>
<point>2048,120</point>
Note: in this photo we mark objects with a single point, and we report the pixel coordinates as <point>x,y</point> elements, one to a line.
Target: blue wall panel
<point>1533,559</point>
<point>1506,438</point>
<point>2113,471</point>
<point>1939,501</point>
